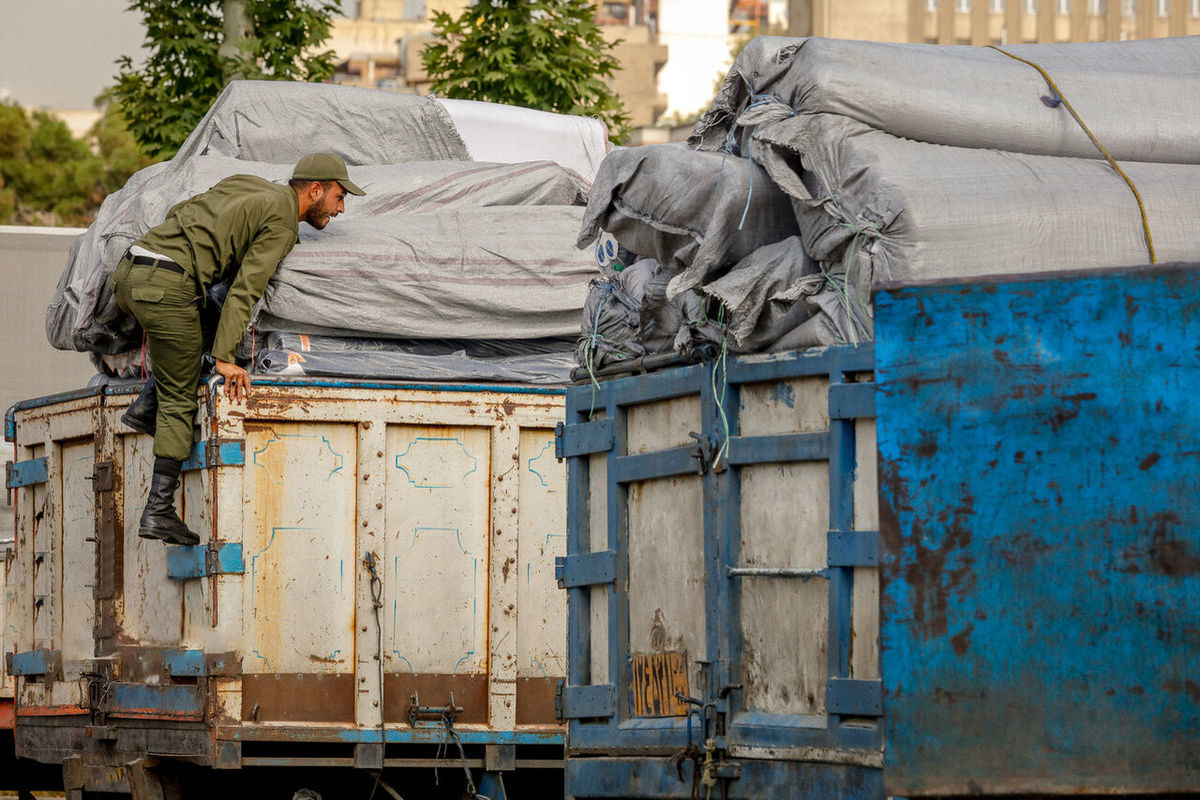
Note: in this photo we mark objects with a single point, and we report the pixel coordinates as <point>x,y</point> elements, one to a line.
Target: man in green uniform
<point>236,232</point>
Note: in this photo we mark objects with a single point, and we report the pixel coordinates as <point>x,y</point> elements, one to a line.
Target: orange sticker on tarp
<point>655,678</point>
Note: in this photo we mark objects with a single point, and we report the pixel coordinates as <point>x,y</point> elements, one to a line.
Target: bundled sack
<point>83,314</point>
<point>874,207</point>
<point>695,213</point>
<point>627,316</point>
<point>544,361</point>
<point>1138,97</point>
<point>280,121</point>
<point>500,272</point>
<point>761,298</point>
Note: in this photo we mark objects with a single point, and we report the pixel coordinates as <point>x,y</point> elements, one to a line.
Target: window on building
<point>1097,8</point>
<point>996,6</point>
<point>931,5</point>
<point>963,6</point>
<point>1031,6</point>
<point>1195,9</point>
<point>1164,8</point>
<point>1062,7</point>
<point>1129,8</point>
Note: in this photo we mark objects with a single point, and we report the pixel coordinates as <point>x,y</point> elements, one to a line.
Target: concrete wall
<point>31,262</point>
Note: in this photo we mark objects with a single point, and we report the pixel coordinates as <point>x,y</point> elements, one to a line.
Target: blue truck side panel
<point>1039,446</point>
<point>601,723</point>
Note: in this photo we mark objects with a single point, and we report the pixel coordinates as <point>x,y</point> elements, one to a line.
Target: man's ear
<point>315,191</point>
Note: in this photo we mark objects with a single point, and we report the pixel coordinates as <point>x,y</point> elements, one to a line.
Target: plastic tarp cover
<point>499,272</point>
<point>505,134</point>
<point>535,361</point>
<point>83,314</point>
<point>1138,97</point>
<point>875,207</point>
<point>280,121</point>
<point>694,212</point>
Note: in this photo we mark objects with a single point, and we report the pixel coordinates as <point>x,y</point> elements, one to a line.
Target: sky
<point>62,53</point>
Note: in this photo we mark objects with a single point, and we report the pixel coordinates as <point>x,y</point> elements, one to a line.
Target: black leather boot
<point>142,414</point>
<point>159,520</point>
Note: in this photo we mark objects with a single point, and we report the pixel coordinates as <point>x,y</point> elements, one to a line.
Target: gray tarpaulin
<point>83,314</point>
<point>696,213</point>
<point>499,272</point>
<point>533,361</point>
<point>1140,98</point>
<point>503,273</point>
<point>278,122</point>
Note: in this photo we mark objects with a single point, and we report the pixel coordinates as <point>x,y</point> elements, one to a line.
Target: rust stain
<point>535,701</point>
<point>961,641</point>
<point>509,407</point>
<point>508,562</point>
<point>1149,461</point>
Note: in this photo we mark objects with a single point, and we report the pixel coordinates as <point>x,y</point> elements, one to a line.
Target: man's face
<point>328,203</point>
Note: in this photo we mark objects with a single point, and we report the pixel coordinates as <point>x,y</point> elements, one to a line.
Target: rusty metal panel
<point>1041,533</point>
<point>77,583</point>
<point>436,556</point>
<point>300,553</point>
<point>152,602</point>
<point>330,474</point>
<point>542,623</point>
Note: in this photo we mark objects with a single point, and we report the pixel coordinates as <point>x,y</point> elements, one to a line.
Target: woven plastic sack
<point>1140,98</point>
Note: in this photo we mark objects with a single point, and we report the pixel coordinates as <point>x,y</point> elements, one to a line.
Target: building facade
<point>982,22</point>
<point>380,47</point>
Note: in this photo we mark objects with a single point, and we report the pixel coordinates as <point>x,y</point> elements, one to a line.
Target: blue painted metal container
<point>1038,552</point>
<point>721,575</point>
<point>1038,448</point>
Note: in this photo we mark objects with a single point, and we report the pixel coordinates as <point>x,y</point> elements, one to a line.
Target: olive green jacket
<point>237,231</point>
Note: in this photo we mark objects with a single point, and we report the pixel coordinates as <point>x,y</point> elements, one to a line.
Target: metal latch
<point>416,711</point>
<point>102,476</point>
<point>703,452</point>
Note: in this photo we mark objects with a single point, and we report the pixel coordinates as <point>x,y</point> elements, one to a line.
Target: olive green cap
<point>325,167</point>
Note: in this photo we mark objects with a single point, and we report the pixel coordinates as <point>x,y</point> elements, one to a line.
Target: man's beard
<point>318,214</point>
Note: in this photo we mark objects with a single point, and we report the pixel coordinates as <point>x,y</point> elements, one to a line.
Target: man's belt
<point>147,261</point>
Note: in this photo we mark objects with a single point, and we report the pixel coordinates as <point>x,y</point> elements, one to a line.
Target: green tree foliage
<point>543,54</point>
<point>49,177</point>
<point>193,54</point>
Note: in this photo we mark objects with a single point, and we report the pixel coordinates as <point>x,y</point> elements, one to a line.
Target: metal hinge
<point>102,477</point>
<point>583,438</point>
<point>201,561</point>
<point>26,473</point>
<point>585,569</point>
<point>216,453</point>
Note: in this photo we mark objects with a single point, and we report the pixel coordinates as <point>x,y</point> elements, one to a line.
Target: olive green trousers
<point>167,304</point>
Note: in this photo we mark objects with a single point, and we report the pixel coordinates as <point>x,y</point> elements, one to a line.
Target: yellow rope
<point>1058,93</point>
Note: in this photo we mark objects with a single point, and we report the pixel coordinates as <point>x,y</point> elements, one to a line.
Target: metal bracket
<point>585,569</point>
<point>200,561</point>
<point>35,664</point>
<point>854,698</point>
<point>583,438</point>
<point>102,476</point>
<point>851,400</point>
<point>216,453</point>
<point>853,548</point>
<point>26,473</point>
<point>586,702</point>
